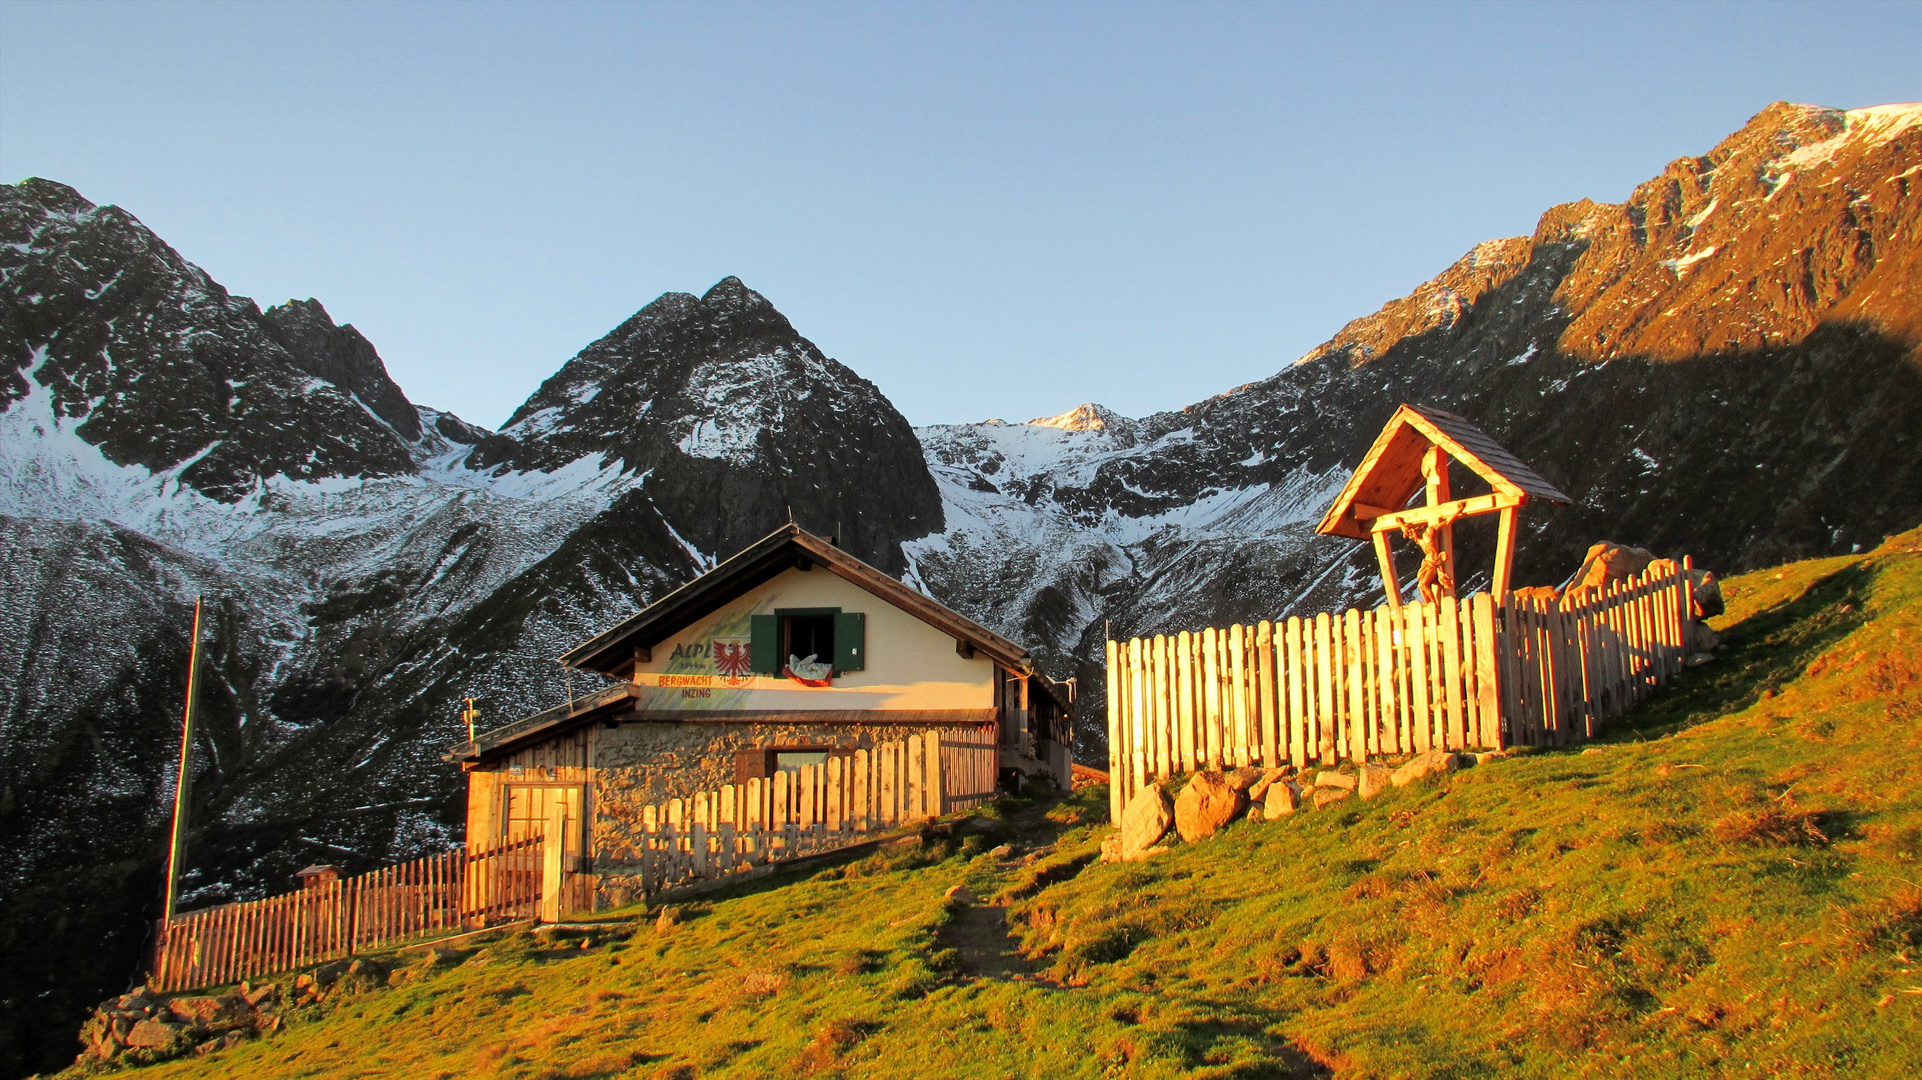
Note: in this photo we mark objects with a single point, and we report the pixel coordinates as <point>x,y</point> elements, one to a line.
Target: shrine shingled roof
<point>1390,473</point>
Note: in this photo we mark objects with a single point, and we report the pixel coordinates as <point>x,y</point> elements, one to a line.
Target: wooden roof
<point>783,549</point>
<point>1390,473</point>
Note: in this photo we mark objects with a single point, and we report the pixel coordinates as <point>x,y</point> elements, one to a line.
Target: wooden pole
<point>177,842</point>
<point>1505,552</point>
<point>1387,560</point>
<point>1435,469</point>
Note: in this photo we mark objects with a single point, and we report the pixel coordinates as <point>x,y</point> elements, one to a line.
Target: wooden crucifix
<point>1412,455</point>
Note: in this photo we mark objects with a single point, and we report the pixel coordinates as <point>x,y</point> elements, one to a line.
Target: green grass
<point>1731,886</point>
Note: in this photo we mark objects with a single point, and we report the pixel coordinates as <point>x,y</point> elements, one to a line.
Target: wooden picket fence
<point>437,895</point>
<point>1473,673</point>
<point>844,800</point>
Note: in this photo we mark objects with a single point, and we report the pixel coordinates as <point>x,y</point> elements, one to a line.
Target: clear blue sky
<point>989,210</point>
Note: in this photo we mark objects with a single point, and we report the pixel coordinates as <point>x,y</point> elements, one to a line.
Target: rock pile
<point>139,1029</point>
<point>1213,799</point>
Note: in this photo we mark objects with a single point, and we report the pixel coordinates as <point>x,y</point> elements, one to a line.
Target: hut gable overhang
<point>612,653</point>
<point>1391,472</point>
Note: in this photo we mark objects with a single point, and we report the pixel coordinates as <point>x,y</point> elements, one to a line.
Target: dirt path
<point>980,934</point>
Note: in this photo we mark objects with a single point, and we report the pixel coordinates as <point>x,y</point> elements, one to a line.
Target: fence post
<point>1297,706</point>
<point>1117,778</point>
<point>1488,680</point>
<point>553,852</point>
<point>937,792</point>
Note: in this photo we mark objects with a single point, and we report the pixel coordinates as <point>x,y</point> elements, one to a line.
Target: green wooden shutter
<point>850,641</point>
<point>764,646</point>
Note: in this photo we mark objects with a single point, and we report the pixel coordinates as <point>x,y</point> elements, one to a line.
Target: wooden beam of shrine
<point>1391,588</point>
<point>1505,551</point>
<point>1480,504</point>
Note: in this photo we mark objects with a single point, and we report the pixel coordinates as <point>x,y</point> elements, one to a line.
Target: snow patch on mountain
<point>1049,521</point>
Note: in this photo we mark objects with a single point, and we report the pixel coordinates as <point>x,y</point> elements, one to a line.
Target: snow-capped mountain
<point>1725,364</point>
<point>736,421</point>
<point>360,585</point>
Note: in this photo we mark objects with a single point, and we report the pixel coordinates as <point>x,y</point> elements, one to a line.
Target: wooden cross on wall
<point>1412,455</point>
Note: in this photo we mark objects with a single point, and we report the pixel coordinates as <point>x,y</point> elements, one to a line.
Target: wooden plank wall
<point>427,897</point>
<point>560,760</point>
<point>818,808</point>
<point>1461,674</point>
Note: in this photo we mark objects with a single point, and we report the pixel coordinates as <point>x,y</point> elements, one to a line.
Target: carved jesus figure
<point>1433,580</point>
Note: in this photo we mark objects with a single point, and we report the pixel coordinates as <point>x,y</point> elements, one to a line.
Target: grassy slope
<point>1730,886</point>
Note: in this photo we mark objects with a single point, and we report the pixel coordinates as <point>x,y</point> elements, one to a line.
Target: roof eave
<point>770,556</point>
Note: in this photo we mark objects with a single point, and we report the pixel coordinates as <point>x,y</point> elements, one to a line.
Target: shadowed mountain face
<point>738,421</point>
<point>151,361</point>
<point>1725,365</point>
<point>341,356</point>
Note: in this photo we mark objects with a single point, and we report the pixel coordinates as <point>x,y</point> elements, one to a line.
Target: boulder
<point>204,1013</point>
<point>669,917</point>
<point>1268,778</point>
<point>223,1042</point>
<point>363,968</point>
<point>1425,764</point>
<point>262,995</point>
<point>1205,805</point>
<point>961,896</point>
<point>1547,594</point>
<point>1329,778</point>
<point>1608,562</point>
<point>1706,589</point>
<point>1280,801</point>
<point>1145,821</point>
<point>1373,780</point>
<point>1703,639</point>
<point>1327,796</point>
<point>158,1036</point>
<point>1244,778</point>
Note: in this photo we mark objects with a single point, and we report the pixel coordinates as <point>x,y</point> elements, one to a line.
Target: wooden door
<point>528,809</point>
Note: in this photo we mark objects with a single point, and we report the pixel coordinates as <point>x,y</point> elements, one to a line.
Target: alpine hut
<point>786,655</point>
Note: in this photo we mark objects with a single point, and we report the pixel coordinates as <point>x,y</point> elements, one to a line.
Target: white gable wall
<point>910,665</point>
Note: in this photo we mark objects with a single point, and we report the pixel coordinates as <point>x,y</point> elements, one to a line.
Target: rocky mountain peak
<point>731,296</point>
<point>1817,201</point>
<point>720,401</point>
<point>1819,198</point>
<point>1434,305</point>
<point>1085,417</point>
<point>342,356</point>
<point>107,332</point>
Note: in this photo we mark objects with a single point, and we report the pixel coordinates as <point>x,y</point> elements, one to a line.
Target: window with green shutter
<point>764,645</point>
<point>773,637</point>
<point>850,641</point>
